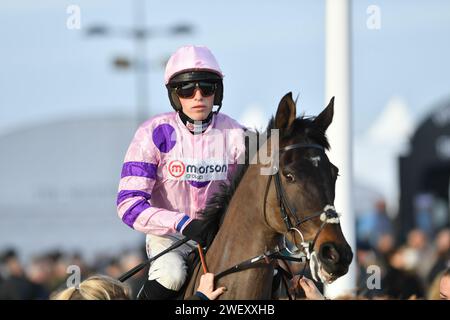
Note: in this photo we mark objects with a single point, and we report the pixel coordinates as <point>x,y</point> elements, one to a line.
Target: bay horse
<point>256,211</point>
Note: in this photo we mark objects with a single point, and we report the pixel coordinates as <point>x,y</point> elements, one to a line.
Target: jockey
<point>175,163</point>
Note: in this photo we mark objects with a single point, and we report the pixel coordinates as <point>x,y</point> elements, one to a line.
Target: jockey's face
<point>198,107</point>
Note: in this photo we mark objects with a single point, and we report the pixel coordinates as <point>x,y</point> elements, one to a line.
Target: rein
<point>142,265</point>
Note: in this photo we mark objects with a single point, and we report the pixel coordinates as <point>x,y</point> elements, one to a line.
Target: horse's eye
<point>290,177</point>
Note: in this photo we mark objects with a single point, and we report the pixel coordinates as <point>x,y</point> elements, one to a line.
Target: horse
<point>251,216</point>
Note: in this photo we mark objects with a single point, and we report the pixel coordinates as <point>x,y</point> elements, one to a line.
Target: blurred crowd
<point>54,271</point>
<point>386,267</point>
<point>409,268</point>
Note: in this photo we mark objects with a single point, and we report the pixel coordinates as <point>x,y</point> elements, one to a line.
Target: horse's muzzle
<point>335,258</point>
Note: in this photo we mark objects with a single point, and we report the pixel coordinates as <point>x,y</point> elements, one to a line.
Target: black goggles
<point>187,90</point>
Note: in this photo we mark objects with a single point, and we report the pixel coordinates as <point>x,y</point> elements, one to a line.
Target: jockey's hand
<point>196,230</point>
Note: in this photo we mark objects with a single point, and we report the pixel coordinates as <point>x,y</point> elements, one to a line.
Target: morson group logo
<point>197,170</point>
<point>176,168</point>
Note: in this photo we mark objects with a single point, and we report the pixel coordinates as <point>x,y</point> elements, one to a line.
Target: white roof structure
<point>58,185</point>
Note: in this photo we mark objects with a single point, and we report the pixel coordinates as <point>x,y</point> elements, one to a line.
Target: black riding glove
<point>196,230</point>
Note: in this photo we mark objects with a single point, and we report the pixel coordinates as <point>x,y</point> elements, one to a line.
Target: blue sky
<point>265,48</point>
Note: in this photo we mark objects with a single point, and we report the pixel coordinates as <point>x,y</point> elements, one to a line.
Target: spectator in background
<point>418,254</point>
<point>113,269</point>
<point>96,288</point>
<point>100,287</point>
<point>366,257</point>
<point>433,289</point>
<point>374,224</point>
<point>442,258</point>
<point>58,264</point>
<point>77,260</point>
<point>384,247</point>
<point>440,214</point>
<point>423,204</point>
<point>400,283</point>
<point>16,285</point>
<point>129,261</point>
<point>39,273</point>
<point>444,286</point>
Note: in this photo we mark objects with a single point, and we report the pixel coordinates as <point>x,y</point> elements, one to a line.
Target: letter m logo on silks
<point>197,169</point>
<point>176,168</point>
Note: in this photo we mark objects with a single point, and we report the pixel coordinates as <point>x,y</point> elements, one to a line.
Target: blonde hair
<point>434,290</point>
<point>96,288</point>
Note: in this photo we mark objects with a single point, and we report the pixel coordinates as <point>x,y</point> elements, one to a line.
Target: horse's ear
<point>323,120</point>
<point>286,112</point>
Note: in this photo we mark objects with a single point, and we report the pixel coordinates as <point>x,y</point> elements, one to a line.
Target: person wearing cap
<point>175,163</point>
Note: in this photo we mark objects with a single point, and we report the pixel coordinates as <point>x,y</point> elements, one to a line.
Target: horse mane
<point>216,207</point>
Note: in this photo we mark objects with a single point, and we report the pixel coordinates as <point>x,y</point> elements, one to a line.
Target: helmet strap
<point>195,126</point>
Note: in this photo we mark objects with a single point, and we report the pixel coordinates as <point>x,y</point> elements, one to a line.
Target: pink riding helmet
<point>191,58</point>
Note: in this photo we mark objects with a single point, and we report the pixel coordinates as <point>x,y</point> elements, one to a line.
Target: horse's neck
<point>243,235</point>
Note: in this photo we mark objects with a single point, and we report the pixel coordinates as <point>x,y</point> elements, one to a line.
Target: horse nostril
<point>329,253</point>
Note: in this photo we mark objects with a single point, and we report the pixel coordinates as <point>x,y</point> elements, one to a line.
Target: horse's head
<point>305,189</point>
